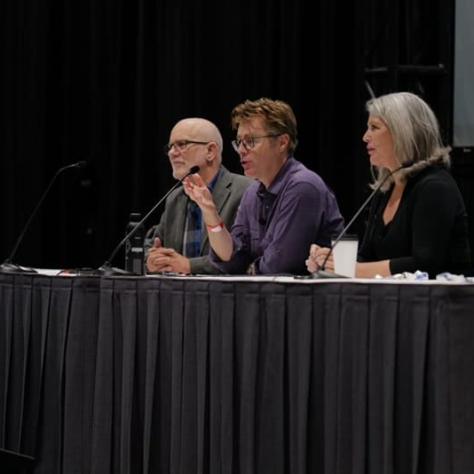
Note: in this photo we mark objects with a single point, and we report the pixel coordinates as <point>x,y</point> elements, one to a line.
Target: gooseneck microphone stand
<point>8,266</point>
<point>106,268</point>
<point>322,272</point>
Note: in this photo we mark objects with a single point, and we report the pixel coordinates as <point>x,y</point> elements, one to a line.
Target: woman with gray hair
<point>417,220</point>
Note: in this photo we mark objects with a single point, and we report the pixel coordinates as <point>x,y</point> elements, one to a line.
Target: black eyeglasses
<point>181,145</point>
<point>249,142</point>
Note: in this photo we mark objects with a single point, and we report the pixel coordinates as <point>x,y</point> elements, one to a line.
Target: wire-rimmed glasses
<point>181,145</point>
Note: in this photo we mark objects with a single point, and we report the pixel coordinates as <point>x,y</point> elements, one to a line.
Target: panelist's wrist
<point>215,227</point>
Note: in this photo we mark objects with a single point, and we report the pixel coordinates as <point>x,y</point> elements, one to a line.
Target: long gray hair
<point>415,134</point>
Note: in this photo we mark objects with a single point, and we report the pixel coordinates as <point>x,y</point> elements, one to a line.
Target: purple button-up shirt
<point>275,227</point>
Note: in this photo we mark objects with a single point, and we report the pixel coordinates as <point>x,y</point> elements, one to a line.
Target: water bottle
<point>134,254</point>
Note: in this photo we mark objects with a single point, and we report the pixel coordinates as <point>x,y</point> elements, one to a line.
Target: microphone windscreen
<point>194,169</point>
<point>80,164</point>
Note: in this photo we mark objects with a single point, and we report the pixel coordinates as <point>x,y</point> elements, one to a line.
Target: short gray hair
<point>415,134</point>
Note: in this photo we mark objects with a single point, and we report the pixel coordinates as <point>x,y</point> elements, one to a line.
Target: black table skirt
<point>137,375</point>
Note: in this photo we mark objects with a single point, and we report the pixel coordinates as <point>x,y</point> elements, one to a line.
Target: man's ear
<point>211,152</point>
<point>284,141</point>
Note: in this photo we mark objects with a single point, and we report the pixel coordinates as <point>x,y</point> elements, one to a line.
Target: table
<point>255,376</point>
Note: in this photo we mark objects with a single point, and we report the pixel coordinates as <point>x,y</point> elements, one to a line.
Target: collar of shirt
<point>281,177</point>
<point>278,182</point>
<point>192,206</point>
<point>213,182</point>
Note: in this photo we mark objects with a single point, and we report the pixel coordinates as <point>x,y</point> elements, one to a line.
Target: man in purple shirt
<point>286,210</point>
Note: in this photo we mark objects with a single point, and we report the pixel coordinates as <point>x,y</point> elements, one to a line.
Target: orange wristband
<point>215,228</point>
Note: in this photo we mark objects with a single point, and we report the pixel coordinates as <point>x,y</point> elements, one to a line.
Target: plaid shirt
<point>193,230</point>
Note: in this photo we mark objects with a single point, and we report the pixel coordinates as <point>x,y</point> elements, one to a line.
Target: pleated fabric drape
<point>137,375</point>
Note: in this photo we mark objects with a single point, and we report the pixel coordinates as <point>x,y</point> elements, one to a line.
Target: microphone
<point>322,272</point>
<point>106,268</point>
<point>9,267</point>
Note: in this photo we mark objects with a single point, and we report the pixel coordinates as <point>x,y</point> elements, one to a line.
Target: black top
<point>429,231</point>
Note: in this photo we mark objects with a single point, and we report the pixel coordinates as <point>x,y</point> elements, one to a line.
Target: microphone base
<point>8,267</point>
<point>107,270</point>
<point>326,275</point>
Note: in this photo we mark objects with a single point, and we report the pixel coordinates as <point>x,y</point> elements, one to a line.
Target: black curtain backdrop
<point>104,81</point>
<point>409,46</point>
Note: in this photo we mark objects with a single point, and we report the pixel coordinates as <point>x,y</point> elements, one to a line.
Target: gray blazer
<point>227,194</point>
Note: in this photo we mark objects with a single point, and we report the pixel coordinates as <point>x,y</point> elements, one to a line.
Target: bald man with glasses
<point>180,240</point>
